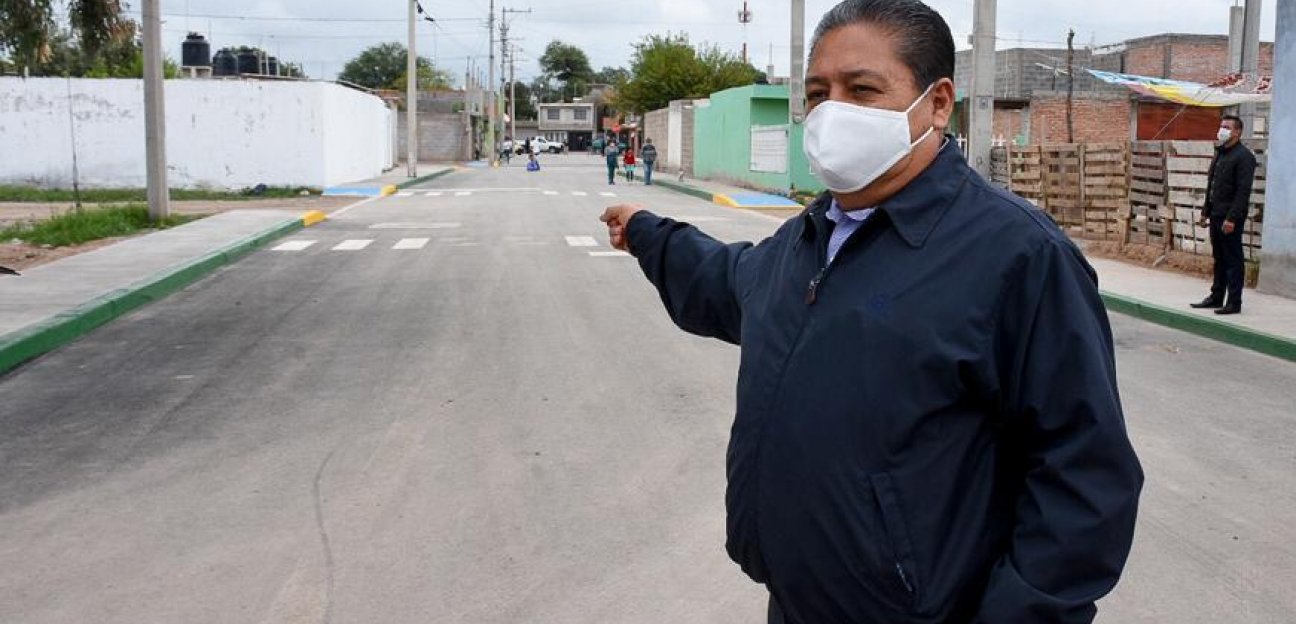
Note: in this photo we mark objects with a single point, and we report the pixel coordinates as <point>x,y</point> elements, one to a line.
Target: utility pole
<point>1070,85</point>
<point>159,196</point>
<point>1278,257</point>
<point>981,115</point>
<point>1250,62</point>
<point>411,97</point>
<point>509,53</point>
<point>796,82</point>
<point>490,84</point>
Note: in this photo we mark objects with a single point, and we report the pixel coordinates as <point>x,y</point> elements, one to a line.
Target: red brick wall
<point>1146,60</point>
<point>1010,122</point>
<point>1198,62</point>
<point>1096,120</point>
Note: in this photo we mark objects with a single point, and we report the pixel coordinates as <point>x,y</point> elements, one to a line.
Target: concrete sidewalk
<point>391,181</point>
<point>53,304</point>
<point>1267,323</point>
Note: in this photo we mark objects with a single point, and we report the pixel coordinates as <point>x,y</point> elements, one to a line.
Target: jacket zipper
<point>812,292</point>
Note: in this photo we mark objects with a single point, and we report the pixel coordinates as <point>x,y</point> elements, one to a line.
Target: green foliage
<point>666,68</point>
<point>116,58</point>
<point>525,109</point>
<point>28,27</point>
<point>384,66</point>
<point>611,76</point>
<point>96,196</point>
<point>75,227</point>
<point>566,65</point>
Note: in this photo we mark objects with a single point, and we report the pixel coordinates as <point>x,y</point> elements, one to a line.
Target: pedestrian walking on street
<point>629,160</point>
<point>1228,198</point>
<point>928,427</point>
<point>649,157</point>
<point>610,151</point>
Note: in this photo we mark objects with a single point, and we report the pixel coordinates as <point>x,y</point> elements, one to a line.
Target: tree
<point>525,109</point>
<point>666,68</point>
<point>28,27</point>
<point>569,66</point>
<point>384,67</point>
<point>65,56</point>
<point>611,76</point>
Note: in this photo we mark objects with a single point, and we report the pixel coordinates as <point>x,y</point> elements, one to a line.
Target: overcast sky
<point>321,35</point>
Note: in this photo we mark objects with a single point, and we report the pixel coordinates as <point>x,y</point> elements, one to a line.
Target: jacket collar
<point>918,207</point>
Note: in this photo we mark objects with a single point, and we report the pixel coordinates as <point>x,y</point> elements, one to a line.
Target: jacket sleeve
<point>694,274</point>
<point>1077,479</point>
<point>1245,173</point>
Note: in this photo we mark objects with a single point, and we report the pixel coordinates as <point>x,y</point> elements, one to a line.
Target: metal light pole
<point>411,97</point>
<point>155,114</point>
<point>796,84</point>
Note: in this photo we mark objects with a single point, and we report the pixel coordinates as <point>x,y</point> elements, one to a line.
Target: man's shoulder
<point>1014,220</point>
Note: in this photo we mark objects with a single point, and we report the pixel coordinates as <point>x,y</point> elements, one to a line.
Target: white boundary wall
<point>227,134</point>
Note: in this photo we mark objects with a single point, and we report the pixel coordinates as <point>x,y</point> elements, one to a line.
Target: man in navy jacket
<point>928,425</point>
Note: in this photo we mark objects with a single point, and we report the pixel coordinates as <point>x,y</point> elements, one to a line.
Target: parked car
<point>540,145</point>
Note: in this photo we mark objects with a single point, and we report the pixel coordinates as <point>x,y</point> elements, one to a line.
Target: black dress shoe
<point>1207,303</point>
<point>1230,309</point>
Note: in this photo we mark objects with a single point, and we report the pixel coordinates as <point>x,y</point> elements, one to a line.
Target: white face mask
<point>850,146</point>
<point>1223,136</point>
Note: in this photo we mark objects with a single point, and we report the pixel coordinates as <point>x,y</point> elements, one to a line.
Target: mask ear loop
<point>915,104</point>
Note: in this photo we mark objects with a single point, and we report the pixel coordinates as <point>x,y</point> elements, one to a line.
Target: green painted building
<point>742,136</point>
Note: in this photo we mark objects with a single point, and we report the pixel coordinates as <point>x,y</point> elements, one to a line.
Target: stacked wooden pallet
<point>1255,217</point>
<point>1000,173</point>
<point>1026,173</point>
<point>1187,164</point>
<point>1063,182</point>
<point>1147,195</point>
<point>1105,190</point>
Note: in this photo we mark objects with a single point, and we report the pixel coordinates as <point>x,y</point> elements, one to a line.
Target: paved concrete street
<point>457,404</point>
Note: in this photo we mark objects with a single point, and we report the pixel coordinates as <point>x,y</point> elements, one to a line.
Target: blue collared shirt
<point>846,224</point>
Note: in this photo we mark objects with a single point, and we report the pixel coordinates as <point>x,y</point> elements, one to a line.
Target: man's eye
<point>864,90</point>
<point>815,96</point>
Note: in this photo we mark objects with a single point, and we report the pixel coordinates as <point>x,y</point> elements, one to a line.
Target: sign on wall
<point>769,149</point>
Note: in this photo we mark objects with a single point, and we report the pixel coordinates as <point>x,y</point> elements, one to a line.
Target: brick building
<point>1030,90</point>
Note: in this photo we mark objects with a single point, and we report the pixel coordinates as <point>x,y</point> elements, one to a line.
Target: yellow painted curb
<point>724,200</point>
<point>390,189</point>
<point>313,217</point>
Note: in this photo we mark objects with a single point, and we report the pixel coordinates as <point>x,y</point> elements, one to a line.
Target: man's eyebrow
<point>849,75</point>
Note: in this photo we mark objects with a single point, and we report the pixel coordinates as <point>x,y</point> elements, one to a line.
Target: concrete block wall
<point>657,128</point>
<point>441,136</point>
<point>223,134</point>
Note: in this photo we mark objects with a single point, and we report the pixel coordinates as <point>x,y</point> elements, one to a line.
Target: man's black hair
<point>925,43</point>
<point>1235,119</point>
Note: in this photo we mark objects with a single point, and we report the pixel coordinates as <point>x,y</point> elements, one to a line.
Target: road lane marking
<point>463,193</point>
<point>433,194</point>
<point>609,254</point>
<point>405,194</point>
<point>432,225</point>
<point>551,192</point>
<point>411,243</point>
<point>581,241</point>
<point>579,193</point>
<point>297,245</point>
<point>353,244</point>
<point>606,194</point>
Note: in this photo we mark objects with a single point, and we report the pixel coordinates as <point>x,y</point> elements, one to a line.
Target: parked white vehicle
<point>539,145</point>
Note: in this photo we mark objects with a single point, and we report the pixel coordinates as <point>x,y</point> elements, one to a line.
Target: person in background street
<point>928,425</point>
<point>532,163</point>
<point>610,151</point>
<point>1228,198</point>
<point>649,156</point>
<point>629,159</point>
<point>506,150</point>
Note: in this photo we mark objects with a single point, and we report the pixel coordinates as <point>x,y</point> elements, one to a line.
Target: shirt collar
<point>837,215</point>
<point>918,207</point>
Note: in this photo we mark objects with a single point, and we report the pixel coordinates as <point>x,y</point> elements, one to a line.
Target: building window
<point>551,114</point>
<point>582,114</point>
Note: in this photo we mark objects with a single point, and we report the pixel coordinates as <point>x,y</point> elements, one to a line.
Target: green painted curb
<point>1237,336</point>
<point>39,339</point>
<point>426,178</point>
<point>686,189</point>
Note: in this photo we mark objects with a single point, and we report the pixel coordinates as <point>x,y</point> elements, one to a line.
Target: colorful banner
<point>1232,90</point>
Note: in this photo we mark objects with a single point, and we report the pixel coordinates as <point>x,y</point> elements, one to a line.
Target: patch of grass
<point>31,194</point>
<point>75,227</point>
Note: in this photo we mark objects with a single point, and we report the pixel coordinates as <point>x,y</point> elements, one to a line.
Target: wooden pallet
<point>1026,173</point>
<point>1105,186</point>
<point>1063,184</point>
<point>1147,195</point>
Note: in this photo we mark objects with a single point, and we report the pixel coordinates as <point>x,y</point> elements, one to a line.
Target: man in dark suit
<point>1228,197</point>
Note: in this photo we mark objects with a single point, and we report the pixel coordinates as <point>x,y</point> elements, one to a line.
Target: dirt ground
<point>19,256</point>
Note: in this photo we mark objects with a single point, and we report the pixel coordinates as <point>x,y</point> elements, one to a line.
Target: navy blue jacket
<point>929,429</point>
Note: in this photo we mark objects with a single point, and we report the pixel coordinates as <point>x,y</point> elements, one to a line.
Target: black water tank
<point>272,66</point>
<point>225,63</point>
<point>249,63</point>
<point>195,51</point>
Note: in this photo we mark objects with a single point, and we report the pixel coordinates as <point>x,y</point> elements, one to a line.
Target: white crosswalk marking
<point>352,245</point>
<point>296,245</point>
<point>433,193</point>
<point>609,254</point>
<point>606,194</point>
<point>463,193</point>
<point>579,193</point>
<point>551,192</point>
<point>581,241</point>
<point>411,243</point>
<point>405,194</point>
